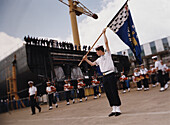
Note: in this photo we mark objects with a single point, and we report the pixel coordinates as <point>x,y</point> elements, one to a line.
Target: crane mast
<point>76,8</point>
<point>74,23</point>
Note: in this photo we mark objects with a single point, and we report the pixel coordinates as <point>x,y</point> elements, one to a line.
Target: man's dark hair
<point>100,48</point>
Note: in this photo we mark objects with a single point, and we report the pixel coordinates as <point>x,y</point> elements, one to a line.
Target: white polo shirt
<point>158,65</point>
<point>143,71</point>
<point>79,85</point>
<point>105,62</point>
<point>32,90</point>
<point>165,67</point>
<point>123,76</point>
<point>66,86</point>
<point>153,70</point>
<point>136,73</point>
<point>49,89</point>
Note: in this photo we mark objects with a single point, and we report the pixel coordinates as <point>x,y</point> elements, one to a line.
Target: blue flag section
<point>122,25</point>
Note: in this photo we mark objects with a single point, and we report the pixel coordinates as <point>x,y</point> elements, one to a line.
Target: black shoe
<point>56,106</point>
<point>118,113</point>
<point>39,109</point>
<point>112,114</point>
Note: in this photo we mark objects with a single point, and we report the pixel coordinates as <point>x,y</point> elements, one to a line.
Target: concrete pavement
<point>138,108</point>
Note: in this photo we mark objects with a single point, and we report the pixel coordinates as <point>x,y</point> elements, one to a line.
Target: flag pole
<point>91,47</point>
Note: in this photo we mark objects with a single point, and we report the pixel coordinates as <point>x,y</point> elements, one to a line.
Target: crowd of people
<point>69,91</point>
<point>53,43</point>
<point>107,68</point>
<point>157,74</point>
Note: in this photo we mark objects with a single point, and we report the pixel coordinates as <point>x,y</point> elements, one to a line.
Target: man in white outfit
<point>159,69</point>
<point>32,97</point>
<point>107,67</point>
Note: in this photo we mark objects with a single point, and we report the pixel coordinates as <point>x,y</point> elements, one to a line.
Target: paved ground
<point>138,108</point>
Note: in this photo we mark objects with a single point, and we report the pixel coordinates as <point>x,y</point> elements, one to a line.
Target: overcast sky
<point>50,19</point>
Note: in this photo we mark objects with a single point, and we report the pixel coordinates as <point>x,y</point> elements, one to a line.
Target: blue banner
<point>122,25</point>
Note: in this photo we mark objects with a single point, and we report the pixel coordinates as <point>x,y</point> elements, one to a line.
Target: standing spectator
<point>56,44</point>
<point>25,39</point>
<point>34,41</point>
<point>42,42</point>
<point>52,43</point>
<point>79,47</point>
<point>38,42</point>
<point>89,48</point>
<point>60,45</point>
<point>85,47</point>
<point>63,45</point>
<point>47,43</point>
<point>75,47</point>
<point>71,46</point>
<point>28,40</point>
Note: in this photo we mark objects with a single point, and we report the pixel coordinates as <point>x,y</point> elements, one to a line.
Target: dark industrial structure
<point>41,63</point>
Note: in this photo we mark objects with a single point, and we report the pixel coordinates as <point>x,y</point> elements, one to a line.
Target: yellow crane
<point>77,8</point>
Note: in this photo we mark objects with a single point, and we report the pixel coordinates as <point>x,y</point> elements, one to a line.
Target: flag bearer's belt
<point>107,72</point>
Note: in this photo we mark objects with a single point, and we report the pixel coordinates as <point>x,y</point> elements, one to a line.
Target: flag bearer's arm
<point>106,41</point>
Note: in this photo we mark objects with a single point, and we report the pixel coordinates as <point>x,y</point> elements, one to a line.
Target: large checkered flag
<point>123,26</point>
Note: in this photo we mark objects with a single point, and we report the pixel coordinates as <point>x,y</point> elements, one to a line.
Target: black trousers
<point>95,91</point>
<point>110,87</point>
<point>139,84</point>
<point>124,85</point>
<point>81,93</point>
<point>33,104</point>
<point>145,82</point>
<point>166,77</point>
<point>153,79</point>
<point>68,95</point>
<point>160,78</point>
<point>51,99</point>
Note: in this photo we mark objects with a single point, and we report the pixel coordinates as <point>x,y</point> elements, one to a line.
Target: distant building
<point>160,47</point>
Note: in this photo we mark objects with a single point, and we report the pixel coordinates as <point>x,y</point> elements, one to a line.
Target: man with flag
<point>123,26</point>
<point>107,67</point>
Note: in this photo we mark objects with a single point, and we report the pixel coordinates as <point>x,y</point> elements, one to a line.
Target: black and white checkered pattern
<point>119,20</point>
